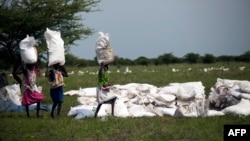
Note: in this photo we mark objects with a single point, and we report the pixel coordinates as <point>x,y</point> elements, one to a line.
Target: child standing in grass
<point>56,82</point>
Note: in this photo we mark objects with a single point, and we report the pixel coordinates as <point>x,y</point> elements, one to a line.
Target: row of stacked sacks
<point>230,96</point>
<point>138,100</point>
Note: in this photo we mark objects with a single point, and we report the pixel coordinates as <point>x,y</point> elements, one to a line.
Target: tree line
<point>164,59</point>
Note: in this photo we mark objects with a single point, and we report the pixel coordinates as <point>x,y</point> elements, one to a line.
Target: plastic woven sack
<point>55,46</point>
<point>104,51</point>
<point>10,98</point>
<point>27,50</point>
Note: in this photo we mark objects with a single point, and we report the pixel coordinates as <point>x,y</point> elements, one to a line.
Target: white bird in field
<point>127,70</point>
<point>242,68</point>
<point>80,72</point>
<point>175,70</point>
<point>72,72</point>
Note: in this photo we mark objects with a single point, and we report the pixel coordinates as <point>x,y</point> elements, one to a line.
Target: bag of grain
<point>27,50</point>
<point>55,46</point>
<point>104,51</point>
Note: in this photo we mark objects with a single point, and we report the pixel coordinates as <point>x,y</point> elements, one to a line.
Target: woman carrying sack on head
<point>55,79</point>
<point>31,93</point>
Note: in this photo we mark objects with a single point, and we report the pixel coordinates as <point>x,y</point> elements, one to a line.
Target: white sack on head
<point>104,51</point>
<point>27,50</point>
<point>55,46</point>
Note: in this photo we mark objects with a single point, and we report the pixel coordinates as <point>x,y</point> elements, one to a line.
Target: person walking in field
<point>31,93</point>
<point>105,57</point>
<point>56,82</point>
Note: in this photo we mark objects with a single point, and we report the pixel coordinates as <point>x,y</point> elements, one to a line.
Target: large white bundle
<point>227,92</point>
<point>83,100</point>
<point>27,50</point>
<point>139,111</point>
<point>120,109</point>
<point>89,92</point>
<point>185,94</point>
<point>10,98</point>
<point>166,97</point>
<point>215,113</point>
<point>241,108</point>
<point>81,111</point>
<point>185,91</point>
<point>104,51</point>
<point>55,46</point>
<point>225,83</point>
<point>244,86</point>
<point>177,99</point>
<point>169,90</point>
<point>169,111</point>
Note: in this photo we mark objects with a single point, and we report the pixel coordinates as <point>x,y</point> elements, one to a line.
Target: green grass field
<point>15,126</point>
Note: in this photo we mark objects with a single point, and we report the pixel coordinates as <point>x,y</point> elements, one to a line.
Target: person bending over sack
<point>55,78</point>
<point>31,93</point>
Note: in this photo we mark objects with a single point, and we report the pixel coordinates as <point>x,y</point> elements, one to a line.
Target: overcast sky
<point>151,28</point>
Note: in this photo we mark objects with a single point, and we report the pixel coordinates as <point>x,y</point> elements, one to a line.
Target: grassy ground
<point>16,126</point>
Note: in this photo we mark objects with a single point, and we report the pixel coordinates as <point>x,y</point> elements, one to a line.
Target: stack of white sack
<point>190,99</point>
<point>104,51</point>
<point>139,100</point>
<point>55,46</point>
<point>231,96</point>
<point>28,51</point>
<point>10,98</point>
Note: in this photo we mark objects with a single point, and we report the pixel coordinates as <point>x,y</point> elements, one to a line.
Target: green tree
<point>166,58</point>
<point>245,57</point>
<point>192,58</point>
<point>74,61</point>
<point>21,17</point>
<point>208,59</point>
<point>142,61</point>
<point>225,58</point>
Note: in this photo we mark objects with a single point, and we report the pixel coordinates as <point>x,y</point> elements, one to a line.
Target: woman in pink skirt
<point>31,93</point>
